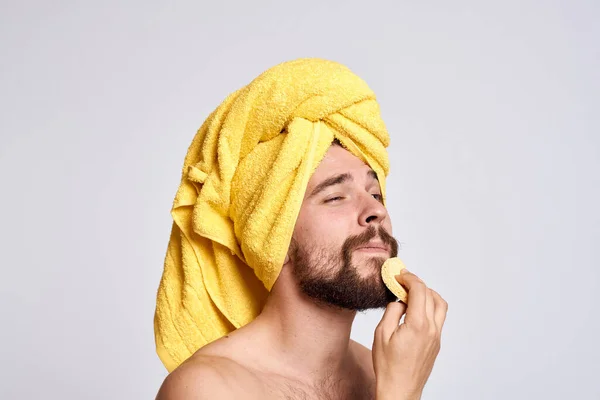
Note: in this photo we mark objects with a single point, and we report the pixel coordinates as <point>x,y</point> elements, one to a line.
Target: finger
<point>391,318</point>
<point>441,309</point>
<point>417,296</point>
<point>430,308</point>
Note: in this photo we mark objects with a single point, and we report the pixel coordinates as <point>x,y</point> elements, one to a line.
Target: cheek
<point>322,229</point>
<point>387,225</point>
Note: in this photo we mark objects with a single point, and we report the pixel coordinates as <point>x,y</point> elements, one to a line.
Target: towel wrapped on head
<point>242,185</point>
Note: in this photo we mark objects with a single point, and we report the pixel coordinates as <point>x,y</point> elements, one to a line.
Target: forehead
<point>337,160</point>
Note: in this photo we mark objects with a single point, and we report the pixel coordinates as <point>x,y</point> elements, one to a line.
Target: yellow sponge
<point>389,270</point>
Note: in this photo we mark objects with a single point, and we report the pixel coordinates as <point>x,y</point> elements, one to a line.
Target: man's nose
<point>372,211</point>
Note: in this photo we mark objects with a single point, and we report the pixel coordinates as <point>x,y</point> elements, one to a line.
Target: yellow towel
<point>242,185</point>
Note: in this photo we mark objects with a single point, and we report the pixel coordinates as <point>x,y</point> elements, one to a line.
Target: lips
<point>374,246</point>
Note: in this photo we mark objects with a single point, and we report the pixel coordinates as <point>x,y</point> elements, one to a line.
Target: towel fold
<point>242,185</point>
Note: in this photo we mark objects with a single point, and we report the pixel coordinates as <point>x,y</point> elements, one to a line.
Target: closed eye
<point>334,199</point>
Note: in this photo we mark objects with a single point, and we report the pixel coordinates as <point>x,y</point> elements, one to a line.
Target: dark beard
<point>346,289</point>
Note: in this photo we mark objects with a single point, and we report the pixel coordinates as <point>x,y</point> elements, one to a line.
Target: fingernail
<point>404,270</point>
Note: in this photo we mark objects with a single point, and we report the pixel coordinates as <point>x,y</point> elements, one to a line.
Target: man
<point>299,345</point>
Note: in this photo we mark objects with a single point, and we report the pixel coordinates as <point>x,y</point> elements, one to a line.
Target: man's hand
<point>403,354</point>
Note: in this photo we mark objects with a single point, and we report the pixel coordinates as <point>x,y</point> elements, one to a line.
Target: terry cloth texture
<point>242,185</point>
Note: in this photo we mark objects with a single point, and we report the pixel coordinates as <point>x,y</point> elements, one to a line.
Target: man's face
<point>343,235</point>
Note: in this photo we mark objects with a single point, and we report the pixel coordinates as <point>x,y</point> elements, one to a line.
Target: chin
<point>370,262</point>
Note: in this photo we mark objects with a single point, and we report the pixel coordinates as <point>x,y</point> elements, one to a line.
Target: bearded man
<point>279,236</point>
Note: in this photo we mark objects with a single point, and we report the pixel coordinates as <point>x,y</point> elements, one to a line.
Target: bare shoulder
<point>364,356</point>
<point>209,377</point>
<point>360,350</point>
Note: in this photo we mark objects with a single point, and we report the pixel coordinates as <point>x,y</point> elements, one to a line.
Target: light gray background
<point>493,109</point>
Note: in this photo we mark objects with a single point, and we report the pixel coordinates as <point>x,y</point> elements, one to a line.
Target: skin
<point>300,346</point>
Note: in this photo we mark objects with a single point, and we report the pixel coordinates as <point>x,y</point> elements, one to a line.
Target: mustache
<point>352,242</point>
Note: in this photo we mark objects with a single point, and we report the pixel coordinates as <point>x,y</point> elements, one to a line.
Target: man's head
<point>343,235</point>
<point>237,203</point>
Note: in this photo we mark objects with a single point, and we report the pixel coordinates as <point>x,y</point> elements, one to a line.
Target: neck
<point>312,341</point>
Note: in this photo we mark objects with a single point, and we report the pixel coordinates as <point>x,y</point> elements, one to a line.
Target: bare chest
<point>348,388</point>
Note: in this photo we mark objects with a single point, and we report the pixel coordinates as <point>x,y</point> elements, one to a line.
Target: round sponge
<point>389,270</point>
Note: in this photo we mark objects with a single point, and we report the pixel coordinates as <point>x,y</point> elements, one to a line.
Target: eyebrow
<point>373,175</point>
<point>338,179</point>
